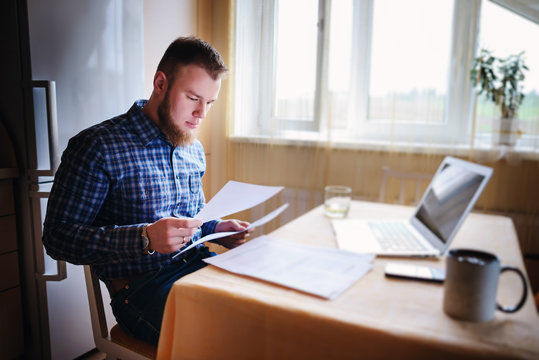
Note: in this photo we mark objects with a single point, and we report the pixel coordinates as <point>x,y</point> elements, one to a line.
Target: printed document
<point>235,197</point>
<point>254,224</point>
<point>325,272</point>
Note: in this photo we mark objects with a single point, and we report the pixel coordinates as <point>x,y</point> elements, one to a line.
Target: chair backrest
<point>420,180</point>
<point>102,339</point>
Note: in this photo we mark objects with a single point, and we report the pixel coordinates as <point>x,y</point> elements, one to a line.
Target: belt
<point>115,285</point>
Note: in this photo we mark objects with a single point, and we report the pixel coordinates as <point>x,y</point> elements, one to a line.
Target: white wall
<point>164,21</point>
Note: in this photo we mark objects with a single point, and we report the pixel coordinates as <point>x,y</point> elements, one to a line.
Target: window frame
<point>456,128</point>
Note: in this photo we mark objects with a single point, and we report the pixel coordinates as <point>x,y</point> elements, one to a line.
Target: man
<point>127,190</point>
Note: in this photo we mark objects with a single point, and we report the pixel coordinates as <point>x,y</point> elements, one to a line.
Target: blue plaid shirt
<point>114,178</point>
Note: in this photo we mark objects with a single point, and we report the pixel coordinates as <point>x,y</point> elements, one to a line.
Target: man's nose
<point>201,110</point>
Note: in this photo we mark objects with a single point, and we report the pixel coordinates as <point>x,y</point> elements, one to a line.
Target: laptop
<point>450,196</point>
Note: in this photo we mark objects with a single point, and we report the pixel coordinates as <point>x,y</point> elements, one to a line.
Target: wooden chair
<point>402,178</point>
<point>118,345</point>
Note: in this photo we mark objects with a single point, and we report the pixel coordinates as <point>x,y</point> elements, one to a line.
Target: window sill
<point>483,149</point>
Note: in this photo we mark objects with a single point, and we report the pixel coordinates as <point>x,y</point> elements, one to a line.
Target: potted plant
<point>500,81</point>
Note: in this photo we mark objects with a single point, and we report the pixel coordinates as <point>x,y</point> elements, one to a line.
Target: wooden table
<point>213,314</point>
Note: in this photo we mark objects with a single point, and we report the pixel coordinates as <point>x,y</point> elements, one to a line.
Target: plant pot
<point>505,131</point>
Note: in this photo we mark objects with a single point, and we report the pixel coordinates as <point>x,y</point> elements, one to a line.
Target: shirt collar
<point>145,128</point>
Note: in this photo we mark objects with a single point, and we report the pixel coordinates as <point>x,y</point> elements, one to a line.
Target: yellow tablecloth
<point>213,314</point>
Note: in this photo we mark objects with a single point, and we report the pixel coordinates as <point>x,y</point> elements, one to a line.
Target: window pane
<point>410,60</point>
<point>296,59</point>
<point>340,54</point>
<point>505,33</point>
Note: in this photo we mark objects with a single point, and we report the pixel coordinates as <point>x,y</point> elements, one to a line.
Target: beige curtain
<point>305,167</point>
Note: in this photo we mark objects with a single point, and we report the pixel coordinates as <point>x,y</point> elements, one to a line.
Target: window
<point>515,36</point>
<point>360,70</point>
<point>409,67</point>
<point>295,78</point>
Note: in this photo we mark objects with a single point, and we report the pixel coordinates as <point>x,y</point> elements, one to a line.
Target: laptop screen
<point>452,193</point>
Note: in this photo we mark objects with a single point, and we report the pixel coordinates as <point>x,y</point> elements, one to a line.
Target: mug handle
<point>524,293</point>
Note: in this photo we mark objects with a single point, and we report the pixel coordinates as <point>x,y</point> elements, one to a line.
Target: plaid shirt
<point>114,178</point>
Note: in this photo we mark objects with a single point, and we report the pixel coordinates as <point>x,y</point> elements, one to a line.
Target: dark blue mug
<point>471,284</point>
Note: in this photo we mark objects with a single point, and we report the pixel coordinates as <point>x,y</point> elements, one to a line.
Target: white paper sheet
<point>254,224</point>
<point>234,197</point>
<point>325,272</point>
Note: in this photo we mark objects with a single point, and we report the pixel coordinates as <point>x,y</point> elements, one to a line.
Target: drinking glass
<point>337,201</point>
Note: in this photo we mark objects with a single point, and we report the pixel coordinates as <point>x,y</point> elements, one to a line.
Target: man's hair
<point>192,51</point>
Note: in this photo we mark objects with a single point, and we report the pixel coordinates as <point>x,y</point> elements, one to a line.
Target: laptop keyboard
<point>395,236</point>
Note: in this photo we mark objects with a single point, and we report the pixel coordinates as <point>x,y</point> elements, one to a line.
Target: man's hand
<point>170,234</point>
<point>233,240</point>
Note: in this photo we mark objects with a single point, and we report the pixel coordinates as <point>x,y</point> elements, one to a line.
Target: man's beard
<point>175,135</point>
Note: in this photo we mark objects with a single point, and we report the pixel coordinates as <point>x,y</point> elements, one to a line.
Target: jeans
<point>139,306</point>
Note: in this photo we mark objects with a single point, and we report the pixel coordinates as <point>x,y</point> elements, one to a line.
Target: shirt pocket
<point>150,190</point>
<point>195,183</point>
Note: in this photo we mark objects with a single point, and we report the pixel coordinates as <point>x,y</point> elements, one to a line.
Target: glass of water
<point>337,201</point>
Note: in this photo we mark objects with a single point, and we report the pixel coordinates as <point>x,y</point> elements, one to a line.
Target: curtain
<point>292,152</point>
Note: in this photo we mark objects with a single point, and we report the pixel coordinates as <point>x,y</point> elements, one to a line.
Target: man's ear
<point>160,83</point>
